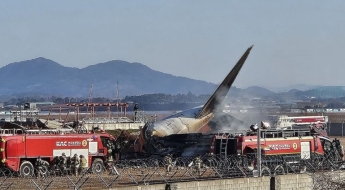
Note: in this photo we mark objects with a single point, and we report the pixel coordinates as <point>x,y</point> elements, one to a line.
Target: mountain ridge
<point>48,76</point>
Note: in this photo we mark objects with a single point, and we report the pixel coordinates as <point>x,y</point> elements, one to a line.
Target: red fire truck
<point>19,149</point>
<point>283,142</point>
<point>281,147</point>
<point>276,144</point>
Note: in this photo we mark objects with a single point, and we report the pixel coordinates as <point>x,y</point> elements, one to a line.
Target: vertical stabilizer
<point>222,90</point>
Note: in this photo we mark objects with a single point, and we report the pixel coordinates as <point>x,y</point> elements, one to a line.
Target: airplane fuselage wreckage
<point>188,121</point>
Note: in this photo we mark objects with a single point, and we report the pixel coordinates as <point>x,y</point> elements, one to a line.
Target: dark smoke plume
<point>223,122</point>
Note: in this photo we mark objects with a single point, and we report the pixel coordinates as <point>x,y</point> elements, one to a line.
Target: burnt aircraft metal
<point>191,121</point>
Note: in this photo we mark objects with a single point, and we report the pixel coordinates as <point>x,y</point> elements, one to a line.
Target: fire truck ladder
<point>223,145</point>
<point>49,131</point>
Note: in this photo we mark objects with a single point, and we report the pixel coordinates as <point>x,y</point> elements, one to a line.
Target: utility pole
<point>117,98</point>
<point>90,97</point>
<point>342,128</point>
<point>258,135</point>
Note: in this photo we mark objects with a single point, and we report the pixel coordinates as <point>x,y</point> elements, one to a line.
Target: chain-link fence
<point>326,173</point>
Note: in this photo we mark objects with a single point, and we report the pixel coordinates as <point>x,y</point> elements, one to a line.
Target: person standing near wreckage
<point>75,164</point>
<point>110,148</point>
<point>197,164</point>
<point>39,166</point>
<point>63,163</point>
<point>168,163</point>
<point>83,164</point>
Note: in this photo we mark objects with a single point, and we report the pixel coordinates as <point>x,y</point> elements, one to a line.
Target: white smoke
<point>233,122</point>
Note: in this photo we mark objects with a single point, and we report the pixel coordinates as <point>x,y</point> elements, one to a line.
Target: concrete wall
<point>283,182</point>
<point>236,184</point>
<point>293,182</point>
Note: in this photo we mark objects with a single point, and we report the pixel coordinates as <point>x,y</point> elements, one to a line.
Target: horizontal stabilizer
<point>223,89</point>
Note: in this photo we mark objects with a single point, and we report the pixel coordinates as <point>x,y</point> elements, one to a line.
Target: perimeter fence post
<point>342,128</point>
<point>259,151</point>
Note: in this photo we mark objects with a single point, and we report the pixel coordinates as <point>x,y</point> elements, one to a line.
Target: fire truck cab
<point>19,149</point>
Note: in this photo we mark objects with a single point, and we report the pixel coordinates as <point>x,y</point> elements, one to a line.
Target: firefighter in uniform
<point>39,166</point>
<point>197,164</point>
<point>110,148</point>
<point>83,164</point>
<point>75,164</point>
<point>168,163</point>
<point>63,162</point>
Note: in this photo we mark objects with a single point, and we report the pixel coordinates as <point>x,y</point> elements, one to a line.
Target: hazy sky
<point>295,42</point>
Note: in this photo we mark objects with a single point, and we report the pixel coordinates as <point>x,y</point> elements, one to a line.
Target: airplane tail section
<point>222,90</point>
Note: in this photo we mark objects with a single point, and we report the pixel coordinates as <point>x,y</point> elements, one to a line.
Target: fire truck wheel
<point>26,169</point>
<point>97,166</point>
